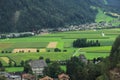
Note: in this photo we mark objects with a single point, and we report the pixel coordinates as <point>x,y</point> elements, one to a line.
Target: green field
<point>18,57</point>
<point>14,69</point>
<point>64,40</point>
<point>101,16</point>
<point>101,49</point>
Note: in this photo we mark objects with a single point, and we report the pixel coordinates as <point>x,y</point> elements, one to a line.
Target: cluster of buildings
<point>37,67</point>
<point>16,35</point>
<point>60,77</point>
<point>87,26</point>
<point>31,77</point>
<point>25,76</point>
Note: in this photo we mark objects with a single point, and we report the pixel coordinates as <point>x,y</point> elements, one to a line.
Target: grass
<point>3,62</point>
<point>60,45</point>
<point>18,57</point>
<point>94,52</point>
<point>65,40</point>
<point>14,69</point>
<point>37,45</point>
<point>5,59</point>
<point>101,16</point>
<point>74,36</point>
<point>93,55</point>
<point>63,68</point>
<point>102,49</point>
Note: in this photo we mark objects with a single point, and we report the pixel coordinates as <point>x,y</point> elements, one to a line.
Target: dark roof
<point>28,76</point>
<point>38,64</point>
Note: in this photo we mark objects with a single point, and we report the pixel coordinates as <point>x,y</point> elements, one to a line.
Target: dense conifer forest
<point>29,15</point>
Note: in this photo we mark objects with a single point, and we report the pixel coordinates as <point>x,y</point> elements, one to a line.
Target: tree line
<point>85,43</point>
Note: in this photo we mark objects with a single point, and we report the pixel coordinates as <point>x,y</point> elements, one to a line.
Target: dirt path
<point>76,52</point>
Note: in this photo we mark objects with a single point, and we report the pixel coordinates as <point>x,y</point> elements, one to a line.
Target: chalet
<point>38,66</point>
<point>15,77</point>
<point>63,77</point>
<point>46,78</point>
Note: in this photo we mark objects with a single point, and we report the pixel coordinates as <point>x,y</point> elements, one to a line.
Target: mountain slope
<point>28,15</point>
<point>113,6</point>
<point>115,3</point>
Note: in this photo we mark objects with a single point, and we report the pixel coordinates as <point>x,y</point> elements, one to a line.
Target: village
<point>38,67</point>
<point>87,26</point>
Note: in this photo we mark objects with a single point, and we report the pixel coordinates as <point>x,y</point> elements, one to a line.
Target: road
<point>74,54</point>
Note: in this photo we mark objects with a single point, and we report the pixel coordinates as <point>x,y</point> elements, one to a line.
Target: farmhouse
<point>46,78</point>
<point>38,66</point>
<point>63,77</point>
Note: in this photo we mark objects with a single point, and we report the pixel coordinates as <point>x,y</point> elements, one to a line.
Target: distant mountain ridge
<point>29,15</point>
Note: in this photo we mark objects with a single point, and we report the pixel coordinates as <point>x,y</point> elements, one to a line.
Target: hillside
<point>29,15</point>
<point>113,6</point>
<point>114,3</point>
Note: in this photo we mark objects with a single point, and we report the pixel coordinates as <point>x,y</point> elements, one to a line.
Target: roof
<point>38,64</point>
<point>46,78</point>
<point>27,76</point>
<point>61,76</point>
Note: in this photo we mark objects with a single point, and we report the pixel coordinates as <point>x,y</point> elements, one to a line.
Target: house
<point>114,74</point>
<point>38,66</point>
<point>46,78</point>
<point>63,77</point>
<point>83,58</point>
<point>14,77</point>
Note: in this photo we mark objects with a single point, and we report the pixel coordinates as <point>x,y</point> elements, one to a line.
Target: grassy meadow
<point>101,16</point>
<point>64,42</point>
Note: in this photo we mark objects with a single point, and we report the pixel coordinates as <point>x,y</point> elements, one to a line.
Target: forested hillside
<point>29,15</point>
<point>110,67</point>
<point>115,3</point>
<point>113,6</point>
